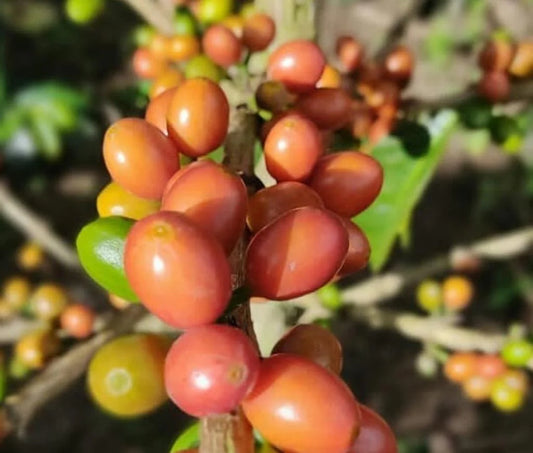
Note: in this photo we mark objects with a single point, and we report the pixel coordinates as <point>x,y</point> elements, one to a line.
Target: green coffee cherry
<point>83,11</point>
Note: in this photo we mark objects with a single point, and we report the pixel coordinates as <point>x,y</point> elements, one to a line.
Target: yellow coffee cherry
<point>48,301</point>
<point>35,348</point>
<point>30,256</point>
<point>113,200</point>
<point>429,295</point>
<point>16,292</point>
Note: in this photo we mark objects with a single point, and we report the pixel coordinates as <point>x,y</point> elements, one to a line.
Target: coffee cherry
<point>202,66</point>
<point>429,295</point>
<point>506,398</point>
<point>375,435</point>
<point>30,256</point>
<point>146,65</point>
<point>222,46</point>
<point>292,148</point>
<point>170,78</point>
<point>494,86</point>
<point>184,22</point>
<point>314,343</point>
<point>380,129</point>
<point>477,388</point>
<point>156,112</point>
<point>183,48</point>
<point>426,365</point>
<point>268,204</point>
<point>178,270</point>
<point>35,348</point>
<point>159,46</point>
<point>211,11</point>
<point>399,65</point>
<point>298,64</point>
<point>284,259</point>
<point>522,64</point>
<point>273,96</point>
<point>328,108</point>
<point>77,320</point>
<point>48,301</point>
<point>113,200</point>
<point>516,379</point>
<point>210,369</point>
<point>457,292</point>
<point>83,11</point>
<point>235,23</point>
<point>460,366</point>
<point>350,53</point>
<point>490,366</point>
<point>358,249</point>
<point>330,78</point>
<point>16,292</point>
<point>139,157</point>
<point>258,32</point>
<point>212,197</point>
<point>348,182</point>
<point>517,353</point>
<point>330,296</point>
<point>300,406</point>
<point>361,119</point>
<point>196,103</point>
<point>496,55</point>
<point>125,376</point>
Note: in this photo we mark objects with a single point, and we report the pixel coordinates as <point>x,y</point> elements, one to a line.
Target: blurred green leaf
<point>187,439</point>
<point>406,177</point>
<point>47,136</point>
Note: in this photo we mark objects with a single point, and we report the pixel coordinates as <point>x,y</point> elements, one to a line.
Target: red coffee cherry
<point>358,249</point>
<point>146,65</point>
<point>177,269</point>
<point>348,182</point>
<point>222,46</point>
<point>299,406</point>
<point>213,197</point>
<point>292,148</point>
<point>328,108</point>
<point>496,55</point>
<point>197,103</point>
<point>490,366</point>
<point>258,32</point>
<point>268,204</point>
<point>210,369</point>
<point>494,86</point>
<point>399,65</point>
<point>298,64</point>
<point>314,343</point>
<point>375,435</point>
<point>78,320</point>
<point>460,366</point>
<point>350,53</point>
<point>156,112</point>
<point>139,157</point>
<point>285,260</point>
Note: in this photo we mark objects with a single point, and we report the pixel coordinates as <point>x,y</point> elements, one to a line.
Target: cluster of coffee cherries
<point>48,303</point>
<point>453,294</point>
<point>165,234</point>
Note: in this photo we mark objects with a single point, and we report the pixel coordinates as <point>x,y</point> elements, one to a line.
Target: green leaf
<point>46,135</point>
<point>406,177</point>
<point>189,438</point>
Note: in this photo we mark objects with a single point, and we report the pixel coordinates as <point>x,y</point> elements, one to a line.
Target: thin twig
<point>35,228</point>
<point>154,14</point>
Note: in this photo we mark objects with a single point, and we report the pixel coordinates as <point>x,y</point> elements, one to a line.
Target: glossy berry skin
<point>222,46</point>
<point>517,353</point>
<point>330,78</point>
<point>211,196</point>
<point>299,406</point>
<point>211,11</point>
<point>35,348</point>
<point>506,398</point>
<point>258,32</point>
<point>494,86</point>
<point>146,65</point>
<point>349,52</point>
<point>48,301</point>
<point>297,64</point>
<point>202,66</point>
<point>399,64</point>
<point>159,45</point>
<point>197,103</point>
<point>348,182</point>
<point>125,376</point>
<point>490,366</point>
<point>328,108</point>
<point>170,78</point>
<point>139,157</point>
<point>113,200</point>
<point>210,369</point>
<point>358,249</point>
<point>313,342</point>
<point>178,270</point>
<point>429,296</point>
<point>496,55</point>
<point>285,260</point>
<point>375,435</point>
<point>183,48</point>
<point>78,320</point>
<point>16,292</point>
<point>268,204</point>
<point>457,292</point>
<point>292,148</point>
<point>460,366</point>
<point>477,388</point>
<point>156,112</point>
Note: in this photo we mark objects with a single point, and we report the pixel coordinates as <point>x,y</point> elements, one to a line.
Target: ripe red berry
<point>78,320</point>
<point>139,157</point>
<point>348,182</point>
<point>177,269</point>
<point>328,108</point>
<point>350,53</point>
<point>299,406</point>
<point>222,46</point>
<point>292,148</point>
<point>286,260</point>
<point>298,64</point>
<point>496,55</point>
<point>399,64</point>
<point>375,435</point>
<point>258,32</point>
<point>196,104</point>
<point>146,65</point>
<point>213,197</point>
<point>358,249</point>
<point>494,86</point>
<point>156,112</point>
<point>210,369</point>
<point>490,366</point>
<point>460,366</point>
